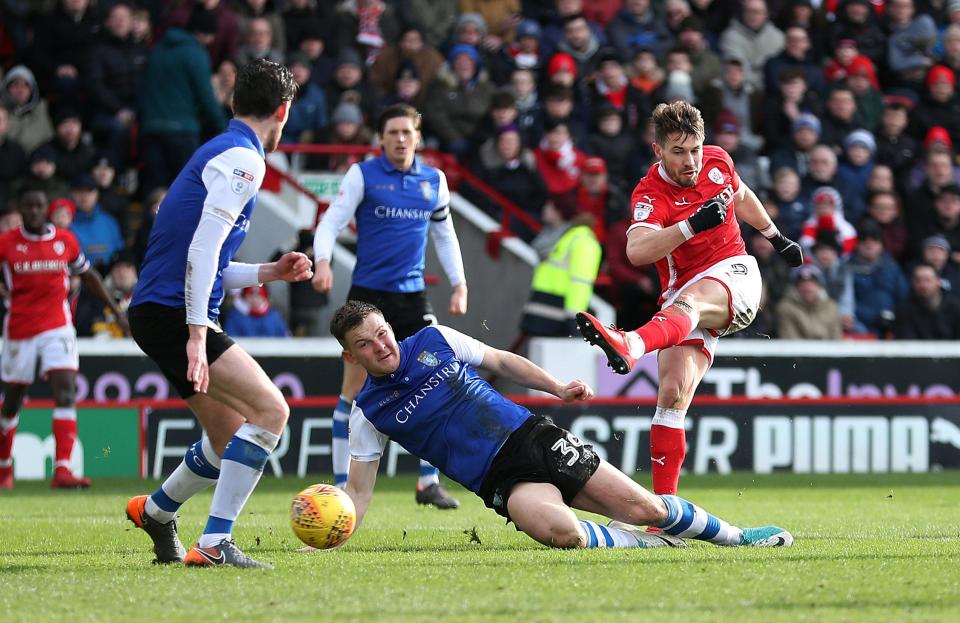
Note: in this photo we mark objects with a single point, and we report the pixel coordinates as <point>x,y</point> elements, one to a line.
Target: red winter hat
<point>941,72</point>
<point>938,134</point>
<point>62,202</point>
<point>561,61</point>
<point>594,164</point>
<point>863,66</point>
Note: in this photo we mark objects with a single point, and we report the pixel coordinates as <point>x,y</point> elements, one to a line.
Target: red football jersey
<point>36,270</point>
<point>659,202</point>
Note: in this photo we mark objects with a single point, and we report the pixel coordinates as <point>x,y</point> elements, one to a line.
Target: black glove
<point>710,214</point>
<point>788,249</point>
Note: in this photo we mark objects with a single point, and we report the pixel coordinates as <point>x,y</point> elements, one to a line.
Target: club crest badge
<point>59,247</point>
<point>428,359</point>
<point>426,189</point>
<point>715,176</point>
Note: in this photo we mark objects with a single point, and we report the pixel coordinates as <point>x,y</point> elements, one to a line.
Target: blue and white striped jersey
<point>437,407</point>
<point>221,179</point>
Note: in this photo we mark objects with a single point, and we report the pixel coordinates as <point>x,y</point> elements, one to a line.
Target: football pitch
<point>869,548</point>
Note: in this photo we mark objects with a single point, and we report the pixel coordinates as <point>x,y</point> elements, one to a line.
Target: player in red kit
<point>37,260</point>
<point>711,287</point>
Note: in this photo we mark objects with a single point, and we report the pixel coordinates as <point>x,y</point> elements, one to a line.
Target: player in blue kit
<point>425,394</point>
<point>396,200</point>
<point>188,265</point>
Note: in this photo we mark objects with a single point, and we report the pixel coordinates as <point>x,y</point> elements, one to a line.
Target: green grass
<point>869,548</point>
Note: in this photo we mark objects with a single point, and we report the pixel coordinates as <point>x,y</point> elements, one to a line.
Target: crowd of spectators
<point>843,115</point>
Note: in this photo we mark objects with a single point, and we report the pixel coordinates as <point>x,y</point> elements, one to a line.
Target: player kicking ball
<point>425,394</point>
<point>682,221</point>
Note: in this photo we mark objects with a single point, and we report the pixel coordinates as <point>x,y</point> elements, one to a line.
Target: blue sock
<point>685,519</point>
<point>341,441</point>
<point>199,469</point>
<point>240,470</point>
<point>605,536</point>
<point>429,475</point>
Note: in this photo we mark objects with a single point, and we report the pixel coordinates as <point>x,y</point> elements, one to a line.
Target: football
<point>323,516</point>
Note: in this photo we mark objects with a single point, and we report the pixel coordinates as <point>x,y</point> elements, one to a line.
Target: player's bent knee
<point>670,392</point>
<point>566,536</point>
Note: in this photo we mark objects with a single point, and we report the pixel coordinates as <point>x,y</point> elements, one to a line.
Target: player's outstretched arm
<point>523,371</point>
<point>646,246</point>
<point>293,266</point>
<point>749,208</point>
<point>93,282</point>
<point>360,482</point>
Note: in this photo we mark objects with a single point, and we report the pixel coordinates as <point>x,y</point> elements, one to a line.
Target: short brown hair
<point>396,111</point>
<point>679,117</point>
<point>349,316</point>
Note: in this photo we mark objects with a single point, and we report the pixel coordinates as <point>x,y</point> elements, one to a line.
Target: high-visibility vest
<point>563,283</point>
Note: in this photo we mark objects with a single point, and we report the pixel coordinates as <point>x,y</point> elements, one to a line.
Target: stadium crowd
<point>842,114</point>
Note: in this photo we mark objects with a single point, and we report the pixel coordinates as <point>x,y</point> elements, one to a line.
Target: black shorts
<point>539,451</point>
<point>161,332</point>
<point>407,312</point>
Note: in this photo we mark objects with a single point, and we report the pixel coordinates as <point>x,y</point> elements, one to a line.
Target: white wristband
<point>770,232</point>
<point>685,229</point>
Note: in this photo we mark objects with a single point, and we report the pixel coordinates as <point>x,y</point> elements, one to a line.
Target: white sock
<point>429,475</point>
<point>240,471</point>
<point>605,536</point>
<point>341,441</point>
<point>199,469</point>
<point>637,347</point>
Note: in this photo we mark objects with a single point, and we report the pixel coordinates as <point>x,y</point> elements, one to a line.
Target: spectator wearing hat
<point>725,133</point>
<point>563,281</point>
<point>458,100</point>
<point>73,155</point>
<point>112,79</point>
<point>259,43</point>
<point>895,147</point>
<point>98,232</point>
<point>558,159</point>
<point>856,22</point>
<point>408,88</point>
<point>249,10</point>
<point>410,50</point>
<point>878,282</point>
<point>939,106</point>
<point>936,252</point>
<point>512,171</point>
<point>581,43</point>
<point>753,37</point>
<point>177,101</point>
<point>827,255</point>
<point>13,158</point>
<point>884,208</point>
<point>308,111</point>
<point>910,42</point>
<point>862,82</point>
<point>636,26</point>
<point>806,312</point>
<point>252,315</point>
<point>828,219</point>
<point>29,118</point>
<point>598,197</point>
<point>42,173</point>
<point>61,212</point>
<point>611,88</point>
<point>859,149</point>
<point>796,54</point>
<point>346,128</point>
<point>366,25</point>
<point>501,17</point>
<point>525,51</point>
<point>785,105</point>
<point>706,63</point>
<point>349,84</point>
<point>845,52</point>
<point>224,33</point>
<point>616,147</point>
<point>927,313</point>
<point>804,134</point>
<point>792,209</point>
<point>64,39</point>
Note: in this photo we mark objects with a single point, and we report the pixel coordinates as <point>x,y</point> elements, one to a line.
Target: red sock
<point>668,327</point>
<point>64,434</point>
<point>668,447</point>
<point>8,429</point>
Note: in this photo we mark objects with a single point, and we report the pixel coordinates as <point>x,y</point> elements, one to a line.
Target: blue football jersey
<point>225,173</point>
<point>437,407</point>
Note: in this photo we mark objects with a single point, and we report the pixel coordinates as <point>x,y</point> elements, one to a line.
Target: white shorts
<point>56,349</point>
<point>740,275</point>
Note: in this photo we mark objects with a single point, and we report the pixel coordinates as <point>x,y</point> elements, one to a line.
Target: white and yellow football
<point>323,516</point>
